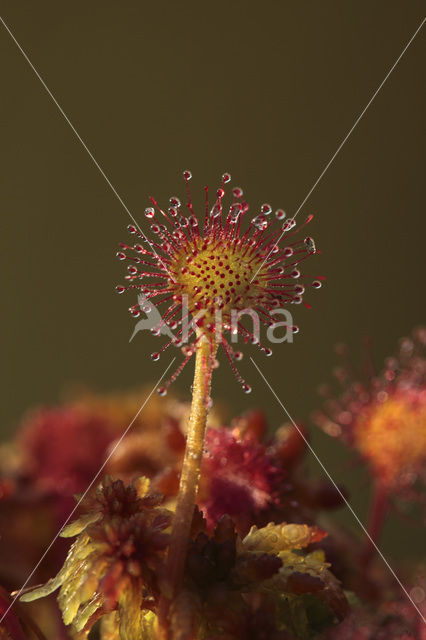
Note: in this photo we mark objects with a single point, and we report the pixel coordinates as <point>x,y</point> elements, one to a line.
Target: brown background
<point>264,90</point>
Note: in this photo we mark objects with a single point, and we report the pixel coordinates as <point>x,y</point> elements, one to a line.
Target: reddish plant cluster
<point>248,478</point>
<point>115,572</point>
<point>263,471</point>
<point>58,446</point>
<point>262,481</point>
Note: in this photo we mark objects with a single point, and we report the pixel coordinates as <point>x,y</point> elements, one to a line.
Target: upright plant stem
<point>189,478</point>
<point>378,513</point>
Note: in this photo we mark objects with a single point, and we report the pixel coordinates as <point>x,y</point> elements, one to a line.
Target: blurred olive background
<point>266,91</point>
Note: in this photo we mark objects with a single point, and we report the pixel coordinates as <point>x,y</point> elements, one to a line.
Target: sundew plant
<point>201,528</point>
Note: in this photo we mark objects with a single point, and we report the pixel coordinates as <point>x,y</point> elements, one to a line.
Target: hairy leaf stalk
<point>189,479</point>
